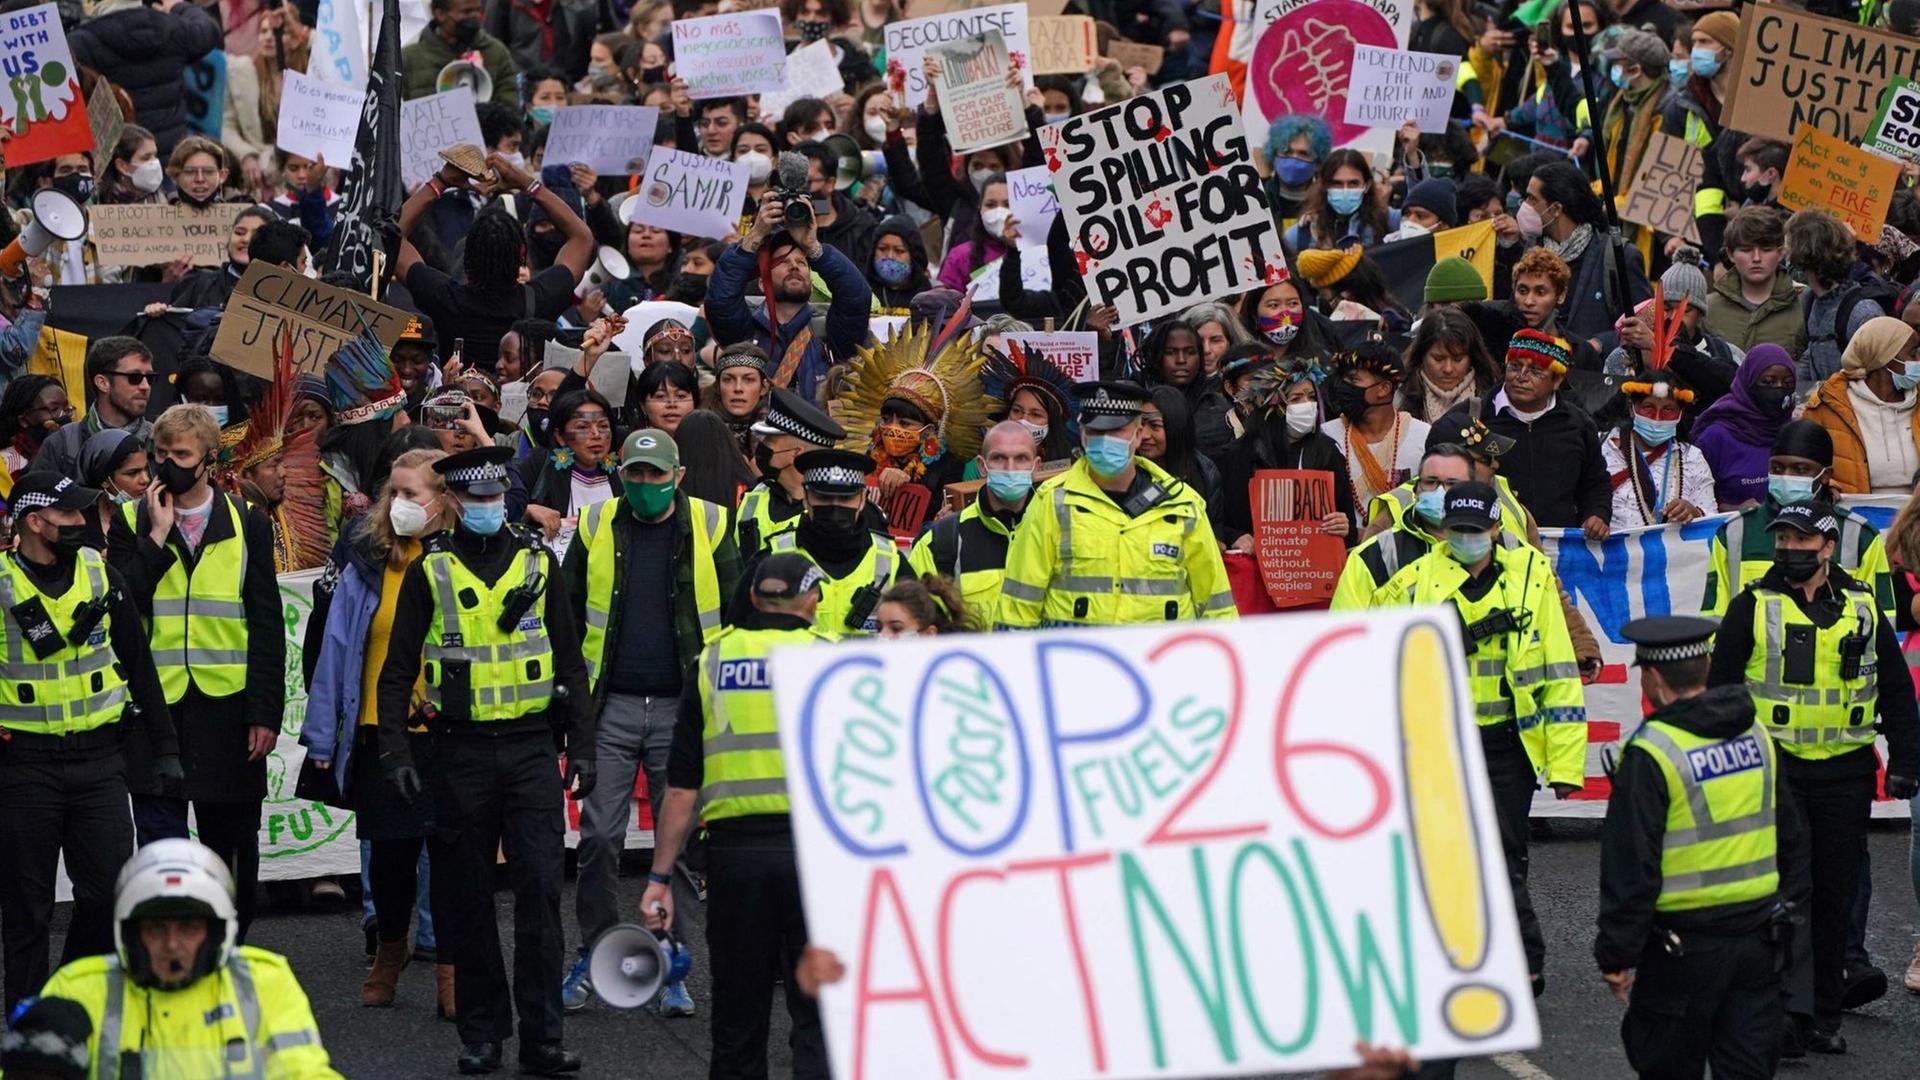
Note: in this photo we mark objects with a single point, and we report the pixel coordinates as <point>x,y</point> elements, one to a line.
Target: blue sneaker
<point>577,988</point>
<point>674,1001</point>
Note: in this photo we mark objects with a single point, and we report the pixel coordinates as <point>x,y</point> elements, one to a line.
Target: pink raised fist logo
<point>1301,62</point>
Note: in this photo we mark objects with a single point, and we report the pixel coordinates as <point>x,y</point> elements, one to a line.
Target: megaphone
<point>467,73</point>
<point>56,216</point>
<point>845,152</point>
<point>861,167</point>
<point>607,265</point>
<point>629,964</point>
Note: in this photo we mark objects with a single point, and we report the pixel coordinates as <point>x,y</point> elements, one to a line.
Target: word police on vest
<point>1725,759</point>
<point>745,674</point>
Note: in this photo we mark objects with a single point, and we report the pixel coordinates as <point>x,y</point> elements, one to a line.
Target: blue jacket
<point>733,321</point>
<point>333,699</point>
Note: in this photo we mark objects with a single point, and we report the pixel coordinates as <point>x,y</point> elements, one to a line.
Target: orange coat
<point>1831,408</point>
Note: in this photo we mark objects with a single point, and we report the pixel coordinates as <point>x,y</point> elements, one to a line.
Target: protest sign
<point>1852,184</point>
<point>1037,9</point>
<point>338,51</point>
<point>42,109</point>
<point>612,373</point>
<point>1661,193</point>
<point>1895,130</point>
<point>145,234</point>
<point>1075,352</point>
<point>106,120</point>
<point>980,108</point>
<point>434,123</point>
<point>204,96</point>
<point>319,120</point>
<point>811,72</point>
<point>1794,70</point>
<point>1299,563</point>
<point>1164,206</point>
<point>909,39</point>
<point>1063,44</point>
<point>1131,54</point>
<point>612,140</point>
<point>1178,834</point>
<point>691,194</point>
<point>1036,275</point>
<point>323,318</point>
<point>1030,192</point>
<point>1389,87</point>
<point>1303,60</point>
<point>730,55</point>
<point>644,316</point>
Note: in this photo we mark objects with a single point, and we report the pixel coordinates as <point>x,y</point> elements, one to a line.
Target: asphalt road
<point>1579,1019</point>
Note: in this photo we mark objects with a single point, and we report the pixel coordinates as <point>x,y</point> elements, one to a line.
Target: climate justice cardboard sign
<point>1164,206</point>
<point>1793,70</point>
<point>1201,849</point>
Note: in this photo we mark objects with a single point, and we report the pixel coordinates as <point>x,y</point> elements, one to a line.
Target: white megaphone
<point>607,265</point>
<point>629,964</point>
<point>464,72</point>
<point>56,216</point>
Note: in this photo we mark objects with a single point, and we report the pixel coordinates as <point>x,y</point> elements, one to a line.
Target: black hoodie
<point>917,282</point>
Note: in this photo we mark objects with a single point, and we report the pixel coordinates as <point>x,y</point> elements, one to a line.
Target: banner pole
<point>1616,242</point>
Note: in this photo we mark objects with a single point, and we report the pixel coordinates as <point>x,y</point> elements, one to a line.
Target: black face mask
<point>78,185</point>
<point>688,289</point>
<point>1755,194</point>
<point>654,74</point>
<point>1774,401</point>
<point>812,31</point>
<point>465,31</point>
<point>537,426</point>
<point>72,538</point>
<point>175,477</point>
<point>1797,565</point>
<point>763,459</point>
<point>836,522</point>
<point>1346,399</point>
<point>546,247</point>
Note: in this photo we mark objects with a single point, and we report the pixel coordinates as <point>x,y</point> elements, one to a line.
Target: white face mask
<point>759,166</point>
<point>821,135</point>
<point>877,128</point>
<point>408,518</point>
<point>515,159</point>
<point>1410,229</point>
<point>996,220</point>
<point>1302,417</point>
<point>1039,431</point>
<point>146,178</point>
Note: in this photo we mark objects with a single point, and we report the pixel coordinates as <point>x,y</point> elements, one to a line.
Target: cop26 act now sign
<point>1195,850</point>
<point>1164,206</point>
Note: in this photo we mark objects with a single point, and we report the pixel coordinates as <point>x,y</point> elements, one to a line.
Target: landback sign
<point>1197,861</point>
<point>981,109</point>
<point>323,319</point>
<point>1794,70</point>
<point>1164,206</point>
<point>1300,563</point>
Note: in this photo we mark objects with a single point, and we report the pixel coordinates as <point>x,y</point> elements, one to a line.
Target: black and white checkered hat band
<point>50,1045</point>
<point>835,476</point>
<point>474,474</point>
<point>33,500</point>
<point>1667,654</point>
<point>1102,404</point>
<point>780,421</point>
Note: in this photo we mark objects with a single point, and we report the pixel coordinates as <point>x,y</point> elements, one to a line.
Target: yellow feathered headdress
<point>938,373</point>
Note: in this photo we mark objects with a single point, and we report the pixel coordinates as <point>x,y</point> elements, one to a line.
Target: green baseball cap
<point>650,446</point>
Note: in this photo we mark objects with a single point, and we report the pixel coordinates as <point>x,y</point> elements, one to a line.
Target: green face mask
<point>649,500</point>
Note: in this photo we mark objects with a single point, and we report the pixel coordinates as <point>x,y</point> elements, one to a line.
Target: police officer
<point>838,532</point>
<point>1114,539</point>
<point>1411,535</point>
<point>1696,859</point>
<point>970,547</point>
<point>1526,686</point>
<point>75,661</point>
<point>792,426</point>
<point>1483,447</point>
<point>177,996</point>
<point>1808,642</point>
<point>484,609</point>
<point>726,764</point>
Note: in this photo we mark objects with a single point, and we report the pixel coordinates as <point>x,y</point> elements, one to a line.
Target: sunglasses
<point>134,377</point>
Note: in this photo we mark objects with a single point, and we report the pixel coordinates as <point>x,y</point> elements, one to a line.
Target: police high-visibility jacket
<point>474,669</point>
<point>971,548</point>
<point>1374,563</point>
<point>1861,553</point>
<point>1078,559</point>
<point>740,738</point>
<point>1397,502</point>
<point>1528,676</point>
<point>78,687</point>
<point>757,521</point>
<point>1720,845</point>
<point>199,621</point>
<point>708,527</point>
<point>875,574</point>
<point>1832,714</point>
<point>248,1019</point>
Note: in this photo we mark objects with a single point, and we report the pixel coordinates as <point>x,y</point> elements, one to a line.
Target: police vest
<point>970,548</point>
<point>597,532</point>
<point>856,594</point>
<point>474,669</point>
<point>757,526</point>
<point>1397,503</point>
<point>1829,714</point>
<point>1720,841</point>
<point>77,686</point>
<point>199,624</point>
<point>740,738</point>
<point>1742,551</point>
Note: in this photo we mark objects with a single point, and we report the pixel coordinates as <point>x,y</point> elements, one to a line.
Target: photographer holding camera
<point>783,251</point>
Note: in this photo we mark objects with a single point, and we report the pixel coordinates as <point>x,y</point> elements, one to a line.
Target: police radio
<point>518,600</point>
<point>865,599</point>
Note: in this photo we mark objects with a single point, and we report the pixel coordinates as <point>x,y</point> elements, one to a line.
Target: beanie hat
<point>1454,278</point>
<point>1721,26</point>
<point>1436,197</point>
<point>1804,438</point>
<point>1324,268</point>
<point>1541,350</point>
<point>1683,280</point>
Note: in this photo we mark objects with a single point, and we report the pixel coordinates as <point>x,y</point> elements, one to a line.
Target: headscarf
<point>1874,346</point>
<point>105,451</point>
<point>1745,420</point>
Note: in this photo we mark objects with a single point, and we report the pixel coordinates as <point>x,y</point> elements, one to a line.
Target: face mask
<point>1440,169</point>
<point>515,159</point>
<point>1278,329</point>
<point>1774,401</point>
<point>484,518</point>
<point>897,441</point>
<point>1797,565</point>
<point>1618,75</point>
<point>876,128</point>
<point>1755,194</point>
<point>178,479</point>
<point>835,521</point>
<point>1705,61</point>
<point>1529,221</point>
<point>1302,417</point>
<point>1469,548</point>
<point>1677,72</point>
<point>1293,172</point>
<point>759,166</point>
<point>1789,489</point>
<point>1411,229</point>
<point>649,500</point>
<point>1038,431</point>
<point>1905,379</point>
<point>219,415</point>
<point>894,272</point>
<point>1057,117</point>
<point>1345,201</point>
<point>465,31</point>
<point>1009,485</point>
<point>541,114</point>
<point>598,71</point>
<point>1431,506</point>
<point>820,135</point>
<point>811,31</point>
<point>979,177</point>
<point>995,220</point>
<point>536,425</point>
<point>120,498</point>
<point>79,185</point>
<point>146,178</point>
<point>70,538</point>
<point>1655,432</point>
<point>1108,455</point>
<point>407,517</point>
<point>1345,399</point>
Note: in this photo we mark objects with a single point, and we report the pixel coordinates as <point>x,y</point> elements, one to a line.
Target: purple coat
<point>1736,432</point>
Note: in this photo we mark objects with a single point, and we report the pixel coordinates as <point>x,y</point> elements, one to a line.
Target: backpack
<point>1872,287</point>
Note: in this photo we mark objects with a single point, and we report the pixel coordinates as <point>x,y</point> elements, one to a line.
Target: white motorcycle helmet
<point>173,879</point>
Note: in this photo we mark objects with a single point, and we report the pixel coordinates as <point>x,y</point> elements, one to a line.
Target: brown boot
<point>388,961</point>
<point>443,987</point>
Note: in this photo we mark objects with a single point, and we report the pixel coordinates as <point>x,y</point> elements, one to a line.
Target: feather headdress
<point>939,373</point>
<point>300,521</point>
<point>1005,376</point>
<point>363,383</point>
<point>1659,380</point>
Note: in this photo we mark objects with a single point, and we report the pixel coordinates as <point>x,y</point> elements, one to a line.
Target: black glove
<point>405,781</point>
<point>1902,787</point>
<point>172,777</point>
<point>581,776</point>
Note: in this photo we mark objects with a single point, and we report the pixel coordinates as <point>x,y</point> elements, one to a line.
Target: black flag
<point>371,194</point>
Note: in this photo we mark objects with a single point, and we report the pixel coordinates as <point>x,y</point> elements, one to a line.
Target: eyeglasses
<point>134,377</point>
<point>1525,371</point>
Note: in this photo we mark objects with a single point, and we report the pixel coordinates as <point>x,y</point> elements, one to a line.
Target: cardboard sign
<point>1852,184</point>
<point>1181,834</point>
<point>1075,352</point>
<point>691,194</point>
<point>730,55</point>
<point>1299,564</point>
<point>612,140</point>
<point>1303,62</point>
<point>980,108</point>
<point>319,120</point>
<point>1389,87</point>
<point>1164,206</point>
<point>1132,54</point>
<point>909,39</point>
<point>1661,194</point>
<point>434,123</point>
<point>1030,192</point>
<point>323,319</point>
<point>811,72</point>
<point>106,121</point>
<point>1793,70</point>
<point>1895,130</point>
<point>1063,44</point>
<point>42,106</point>
<point>148,234</point>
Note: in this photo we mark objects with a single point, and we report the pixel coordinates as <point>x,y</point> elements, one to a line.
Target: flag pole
<point>1616,241</point>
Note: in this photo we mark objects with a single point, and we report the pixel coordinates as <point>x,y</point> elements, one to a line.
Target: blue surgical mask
<point>219,414</point>
<point>1293,172</point>
<point>1009,485</point>
<point>1789,489</point>
<point>1655,432</point>
<point>1469,548</point>
<point>1906,378</point>
<point>1677,72</point>
<point>1345,201</point>
<point>1431,506</point>
<point>1705,61</point>
<point>484,518</point>
<point>1109,455</point>
<point>893,271</point>
<point>1619,76</point>
<point>541,114</point>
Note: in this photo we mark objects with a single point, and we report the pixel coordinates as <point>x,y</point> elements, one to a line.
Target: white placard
<point>612,140</point>
<point>319,120</point>
<point>1075,352</point>
<point>434,123</point>
<point>981,110</point>
<point>641,318</point>
<point>909,39</point>
<point>1391,86</point>
<point>730,55</point>
<point>1036,275</point>
<point>1030,194</point>
<point>609,376</point>
<point>884,327</point>
<point>691,194</point>
<point>338,50</point>
<point>811,72</point>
